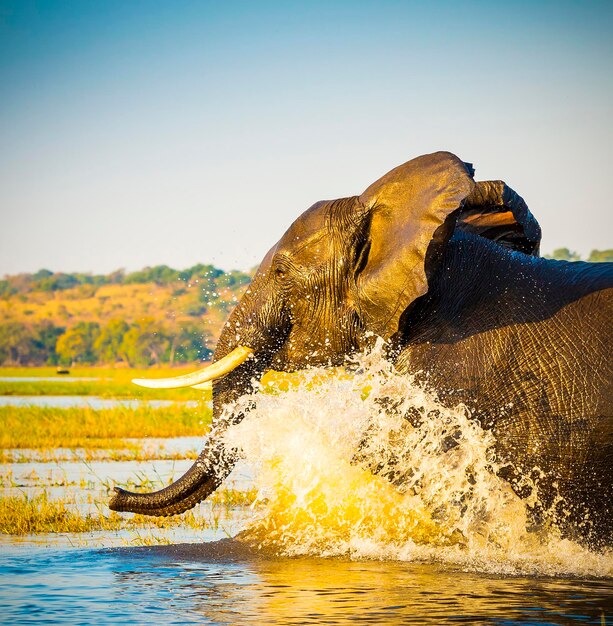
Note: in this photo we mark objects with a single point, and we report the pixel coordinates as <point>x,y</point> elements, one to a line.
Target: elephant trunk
<point>214,462</point>
<point>200,480</point>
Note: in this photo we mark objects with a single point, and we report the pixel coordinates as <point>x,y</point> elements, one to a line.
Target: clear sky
<point>135,133</point>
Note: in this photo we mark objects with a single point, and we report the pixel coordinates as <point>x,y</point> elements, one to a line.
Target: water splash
<point>374,466</point>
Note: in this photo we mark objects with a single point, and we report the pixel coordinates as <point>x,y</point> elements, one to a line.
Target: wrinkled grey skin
<point>447,271</point>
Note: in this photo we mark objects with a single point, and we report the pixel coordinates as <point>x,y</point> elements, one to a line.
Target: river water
<point>92,402</point>
<point>223,583</point>
<point>362,516</point>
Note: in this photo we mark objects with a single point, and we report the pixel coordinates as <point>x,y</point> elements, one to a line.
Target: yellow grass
<point>114,451</point>
<point>28,515</point>
<point>23,515</point>
<point>109,383</point>
<point>50,427</point>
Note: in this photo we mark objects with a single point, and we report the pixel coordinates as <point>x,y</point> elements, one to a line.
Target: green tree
<point>42,274</point>
<point>45,342</point>
<point>145,343</point>
<point>564,254</point>
<point>233,279</point>
<point>189,343</point>
<point>57,282</point>
<point>76,345</point>
<point>16,343</point>
<point>601,256</point>
<point>159,274</point>
<point>108,344</point>
<point>200,271</point>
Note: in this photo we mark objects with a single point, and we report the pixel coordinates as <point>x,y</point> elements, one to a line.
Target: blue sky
<point>136,133</point>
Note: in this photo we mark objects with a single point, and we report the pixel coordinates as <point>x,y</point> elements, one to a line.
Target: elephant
<point>447,271</point>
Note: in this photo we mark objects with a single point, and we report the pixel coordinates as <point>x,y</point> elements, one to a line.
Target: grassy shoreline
<point>51,427</point>
<point>49,434</point>
<point>40,514</point>
<point>106,383</point>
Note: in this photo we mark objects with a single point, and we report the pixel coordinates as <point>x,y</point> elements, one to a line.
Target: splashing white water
<point>374,466</point>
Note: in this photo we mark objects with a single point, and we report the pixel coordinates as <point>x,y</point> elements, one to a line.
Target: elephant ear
<point>493,210</point>
<point>412,212</point>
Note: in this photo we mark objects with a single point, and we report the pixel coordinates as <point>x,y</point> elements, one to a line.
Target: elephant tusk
<point>211,372</point>
<point>204,386</point>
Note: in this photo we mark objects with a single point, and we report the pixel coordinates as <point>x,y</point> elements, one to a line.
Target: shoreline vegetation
<point>41,514</point>
<point>41,428</point>
<point>40,439</point>
<point>102,382</point>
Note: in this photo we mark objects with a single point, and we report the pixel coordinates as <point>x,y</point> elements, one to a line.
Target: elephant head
<point>346,270</point>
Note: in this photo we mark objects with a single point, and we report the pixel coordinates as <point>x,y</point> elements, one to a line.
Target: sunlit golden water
<point>341,472</point>
<point>210,583</point>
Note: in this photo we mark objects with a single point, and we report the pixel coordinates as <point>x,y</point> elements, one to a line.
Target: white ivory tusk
<point>208,385</point>
<point>211,372</point>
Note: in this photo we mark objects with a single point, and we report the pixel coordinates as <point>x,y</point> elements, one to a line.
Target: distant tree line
<point>45,280</point>
<point>595,256</point>
<point>146,342</point>
<point>138,343</point>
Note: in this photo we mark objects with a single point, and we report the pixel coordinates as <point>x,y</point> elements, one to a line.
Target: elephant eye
<point>279,273</point>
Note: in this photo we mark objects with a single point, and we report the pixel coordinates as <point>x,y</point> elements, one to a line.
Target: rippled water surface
<point>224,583</point>
<point>84,401</point>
